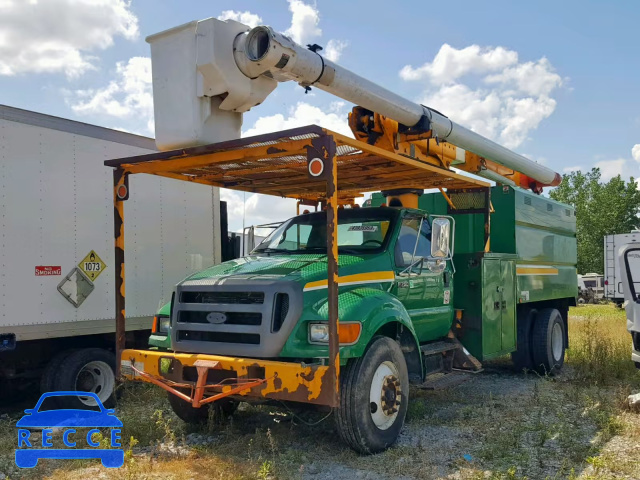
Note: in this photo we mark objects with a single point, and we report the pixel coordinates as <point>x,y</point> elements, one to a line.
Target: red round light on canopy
<point>316,167</point>
<point>121,191</point>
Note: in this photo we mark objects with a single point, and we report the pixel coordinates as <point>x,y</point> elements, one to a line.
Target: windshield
<point>363,230</point>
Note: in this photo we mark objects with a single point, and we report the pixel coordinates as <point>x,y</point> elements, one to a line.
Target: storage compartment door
<point>508,305</point>
<point>491,307</point>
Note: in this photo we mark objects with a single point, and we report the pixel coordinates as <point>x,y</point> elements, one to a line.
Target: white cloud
<point>635,152</point>
<point>304,22</point>
<point>57,36</point>
<point>575,168</point>
<point>451,63</point>
<point>301,115</point>
<point>248,18</point>
<point>128,97</point>
<point>334,49</point>
<point>258,209</point>
<point>611,168</point>
<point>500,97</point>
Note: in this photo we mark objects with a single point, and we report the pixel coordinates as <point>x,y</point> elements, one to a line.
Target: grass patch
<point>499,425</point>
<point>600,346</point>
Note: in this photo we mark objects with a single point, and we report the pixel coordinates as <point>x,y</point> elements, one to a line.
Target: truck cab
<point>395,273</point>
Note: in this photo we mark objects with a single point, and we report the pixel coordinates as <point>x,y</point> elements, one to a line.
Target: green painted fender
<point>373,307</point>
<point>375,311</point>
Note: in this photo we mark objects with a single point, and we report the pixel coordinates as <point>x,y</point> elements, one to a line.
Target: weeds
<point>499,425</point>
<point>600,346</point>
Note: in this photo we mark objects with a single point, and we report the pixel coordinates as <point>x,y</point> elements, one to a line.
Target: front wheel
<point>374,396</point>
<point>548,341</point>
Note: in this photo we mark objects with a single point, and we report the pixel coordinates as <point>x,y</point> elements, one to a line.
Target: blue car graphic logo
<point>67,420</point>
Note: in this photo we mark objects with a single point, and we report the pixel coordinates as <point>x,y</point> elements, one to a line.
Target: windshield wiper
<point>272,250</point>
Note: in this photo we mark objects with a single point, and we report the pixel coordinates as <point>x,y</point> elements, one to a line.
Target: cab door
<point>421,291</point>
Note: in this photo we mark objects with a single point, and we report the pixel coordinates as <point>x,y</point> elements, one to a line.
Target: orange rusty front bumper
<point>209,377</point>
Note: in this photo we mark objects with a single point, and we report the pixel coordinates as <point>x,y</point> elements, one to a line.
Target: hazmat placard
<point>92,265</point>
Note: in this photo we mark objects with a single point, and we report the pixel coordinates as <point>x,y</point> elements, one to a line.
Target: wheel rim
<point>385,395</point>
<point>96,377</point>
<point>557,342</point>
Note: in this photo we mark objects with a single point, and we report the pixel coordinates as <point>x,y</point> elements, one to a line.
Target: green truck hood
<point>300,268</point>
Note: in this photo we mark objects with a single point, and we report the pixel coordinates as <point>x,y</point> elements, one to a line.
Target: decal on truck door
<point>92,265</point>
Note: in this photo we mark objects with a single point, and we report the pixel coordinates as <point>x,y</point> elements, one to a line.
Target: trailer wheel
<point>87,370</point>
<point>374,396</point>
<point>48,378</point>
<point>222,409</point>
<point>547,343</point>
<point>522,357</point>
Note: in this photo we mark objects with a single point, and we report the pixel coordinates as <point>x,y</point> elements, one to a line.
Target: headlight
<point>348,332</point>
<point>162,325</point>
<point>318,333</point>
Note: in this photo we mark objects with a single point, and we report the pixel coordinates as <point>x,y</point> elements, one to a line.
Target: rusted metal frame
<point>183,163</point>
<point>405,160</point>
<point>197,401</point>
<point>324,149</point>
<point>248,385</point>
<point>284,177</point>
<point>487,220</point>
<point>446,197</point>
<point>332,269</point>
<point>120,181</point>
<point>351,174</point>
<point>186,178</point>
<point>347,174</point>
<point>282,135</point>
<point>344,163</point>
<point>348,170</point>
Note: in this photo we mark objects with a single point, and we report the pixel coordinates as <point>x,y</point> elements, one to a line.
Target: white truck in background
<point>613,284</point>
<point>628,257</point>
<point>57,256</point>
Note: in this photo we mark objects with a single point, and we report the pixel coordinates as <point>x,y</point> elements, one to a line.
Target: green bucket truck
<point>343,307</point>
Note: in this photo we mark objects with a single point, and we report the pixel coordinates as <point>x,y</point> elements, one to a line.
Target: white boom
<point>242,66</point>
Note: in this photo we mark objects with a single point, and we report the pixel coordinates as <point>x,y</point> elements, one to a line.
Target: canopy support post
<point>321,163</point>
<point>120,194</point>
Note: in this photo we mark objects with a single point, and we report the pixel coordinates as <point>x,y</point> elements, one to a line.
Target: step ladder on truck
<point>344,307</point>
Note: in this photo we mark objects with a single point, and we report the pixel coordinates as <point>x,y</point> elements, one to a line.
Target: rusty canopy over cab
<point>276,164</point>
<point>310,164</point>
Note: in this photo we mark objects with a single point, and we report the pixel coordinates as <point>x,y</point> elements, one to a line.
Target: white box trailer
<point>613,284</point>
<point>57,257</point>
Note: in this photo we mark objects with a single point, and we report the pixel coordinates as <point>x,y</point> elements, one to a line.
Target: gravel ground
<point>499,424</point>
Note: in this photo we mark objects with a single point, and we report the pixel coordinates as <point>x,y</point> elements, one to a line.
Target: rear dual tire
<point>541,341</point>
<point>84,370</point>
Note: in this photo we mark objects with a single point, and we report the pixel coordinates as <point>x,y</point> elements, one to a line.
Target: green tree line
<point>602,208</point>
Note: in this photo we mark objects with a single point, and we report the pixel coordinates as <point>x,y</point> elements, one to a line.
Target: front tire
<point>374,396</point>
<point>548,344</point>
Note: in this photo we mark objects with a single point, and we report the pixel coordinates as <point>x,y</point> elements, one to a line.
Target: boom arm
<point>262,57</point>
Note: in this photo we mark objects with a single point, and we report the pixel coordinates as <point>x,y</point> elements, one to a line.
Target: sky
<point>554,81</point>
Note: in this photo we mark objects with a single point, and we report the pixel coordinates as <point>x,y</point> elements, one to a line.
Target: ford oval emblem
<point>216,317</point>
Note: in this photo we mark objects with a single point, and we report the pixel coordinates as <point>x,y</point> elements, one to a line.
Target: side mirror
<point>440,235</point>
